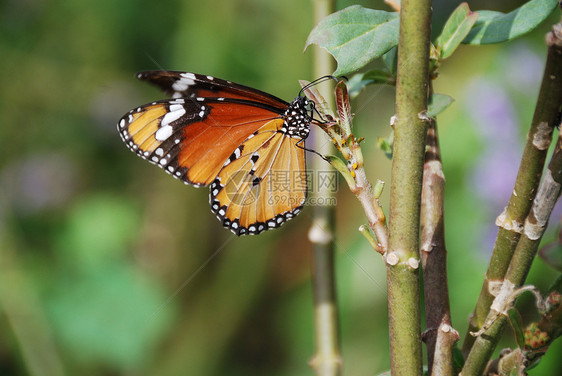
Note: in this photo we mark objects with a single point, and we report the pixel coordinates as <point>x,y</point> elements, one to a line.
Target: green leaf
<point>109,317</point>
<point>455,30</point>
<point>341,167</point>
<point>359,81</point>
<point>496,27</point>
<point>97,230</point>
<point>552,255</point>
<point>390,60</point>
<point>356,84</point>
<point>517,326</point>
<point>458,360</point>
<point>438,103</point>
<point>355,36</point>
<point>378,76</point>
<point>386,145</point>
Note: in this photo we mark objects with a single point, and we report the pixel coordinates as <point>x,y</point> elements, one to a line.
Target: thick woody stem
<point>410,129</point>
<point>439,336</point>
<point>511,221</point>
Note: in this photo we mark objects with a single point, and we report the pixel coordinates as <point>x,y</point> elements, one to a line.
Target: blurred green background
<point>110,267</point>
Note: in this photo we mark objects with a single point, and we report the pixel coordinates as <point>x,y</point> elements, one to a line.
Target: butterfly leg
<point>312,151</point>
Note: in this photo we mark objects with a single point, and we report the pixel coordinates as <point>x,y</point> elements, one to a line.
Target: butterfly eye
<point>309,106</point>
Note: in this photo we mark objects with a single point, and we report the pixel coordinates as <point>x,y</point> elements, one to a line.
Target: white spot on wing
<point>163,133</point>
<point>175,113</point>
<point>176,107</point>
<point>187,80</point>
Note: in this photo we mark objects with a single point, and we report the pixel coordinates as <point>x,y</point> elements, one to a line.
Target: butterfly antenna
<point>317,81</point>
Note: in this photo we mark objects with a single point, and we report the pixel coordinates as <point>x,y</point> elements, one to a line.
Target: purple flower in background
<point>492,178</point>
<point>493,116</point>
<point>37,182</point>
<point>523,68</point>
<point>492,112</point>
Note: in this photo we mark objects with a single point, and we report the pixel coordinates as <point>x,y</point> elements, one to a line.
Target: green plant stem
<point>535,225</point>
<point>510,222</point>
<point>439,336</point>
<point>410,129</point>
<point>327,359</point>
<point>22,309</point>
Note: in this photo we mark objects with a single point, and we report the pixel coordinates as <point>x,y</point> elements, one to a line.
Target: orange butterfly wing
<point>229,136</point>
<point>265,186</point>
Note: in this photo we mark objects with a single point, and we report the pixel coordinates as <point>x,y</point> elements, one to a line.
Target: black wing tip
<point>146,74</point>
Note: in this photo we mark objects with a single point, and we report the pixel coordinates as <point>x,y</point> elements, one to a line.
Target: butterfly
<point>245,144</point>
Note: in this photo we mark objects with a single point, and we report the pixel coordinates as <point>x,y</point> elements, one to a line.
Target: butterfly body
<point>245,144</point>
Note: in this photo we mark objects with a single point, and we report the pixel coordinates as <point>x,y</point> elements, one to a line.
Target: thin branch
<point>410,128</point>
<point>362,187</point>
<point>510,222</point>
<point>327,359</point>
<point>439,336</point>
<point>353,171</point>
